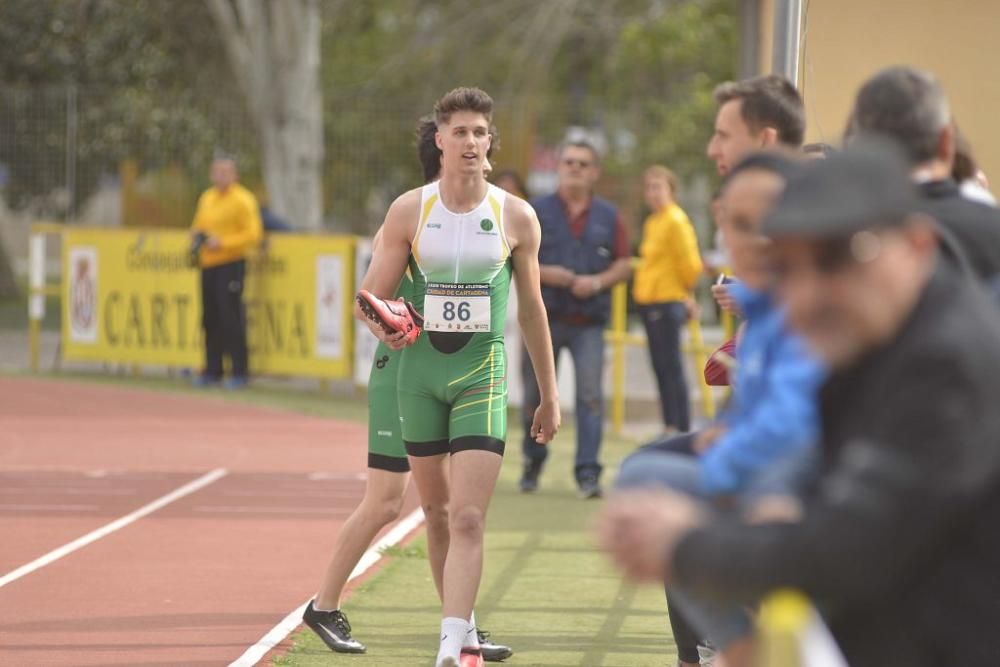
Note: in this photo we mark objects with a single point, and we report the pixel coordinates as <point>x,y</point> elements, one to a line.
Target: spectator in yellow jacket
<point>226,227</point>
<point>669,266</point>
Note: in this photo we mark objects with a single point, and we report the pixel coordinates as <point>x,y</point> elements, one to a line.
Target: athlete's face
<point>464,141</point>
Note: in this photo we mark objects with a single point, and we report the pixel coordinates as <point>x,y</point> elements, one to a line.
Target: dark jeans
<point>586,346</point>
<point>223,317</point>
<point>663,322</point>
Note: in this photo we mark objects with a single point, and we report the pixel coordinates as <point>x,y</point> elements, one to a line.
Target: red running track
<point>196,582</point>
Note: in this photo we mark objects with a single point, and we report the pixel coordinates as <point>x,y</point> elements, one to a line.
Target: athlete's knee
<point>436,516</point>
<point>382,511</point>
<point>388,511</point>
<point>469,521</point>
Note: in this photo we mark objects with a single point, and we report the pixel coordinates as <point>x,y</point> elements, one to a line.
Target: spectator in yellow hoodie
<point>669,266</point>
<point>226,227</point>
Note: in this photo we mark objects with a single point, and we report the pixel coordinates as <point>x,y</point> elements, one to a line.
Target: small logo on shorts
<point>433,225</point>
<point>380,364</point>
<point>486,224</point>
<point>387,434</point>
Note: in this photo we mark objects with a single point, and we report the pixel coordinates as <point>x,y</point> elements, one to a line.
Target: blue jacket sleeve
<point>783,420</point>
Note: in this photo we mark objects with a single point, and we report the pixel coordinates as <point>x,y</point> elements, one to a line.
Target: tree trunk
<point>274,48</point>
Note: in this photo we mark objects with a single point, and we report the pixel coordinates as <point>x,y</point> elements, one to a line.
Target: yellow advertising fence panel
<point>130,296</point>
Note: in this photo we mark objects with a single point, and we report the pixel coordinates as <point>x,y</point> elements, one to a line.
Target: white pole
<point>36,276</point>
<point>787,38</point>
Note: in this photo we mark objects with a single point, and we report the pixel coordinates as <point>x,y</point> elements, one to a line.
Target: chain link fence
<point>100,156</point>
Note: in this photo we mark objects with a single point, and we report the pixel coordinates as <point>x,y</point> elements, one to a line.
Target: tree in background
<point>156,85</point>
<point>274,50</point>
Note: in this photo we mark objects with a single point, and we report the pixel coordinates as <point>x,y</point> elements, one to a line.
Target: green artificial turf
<point>546,591</point>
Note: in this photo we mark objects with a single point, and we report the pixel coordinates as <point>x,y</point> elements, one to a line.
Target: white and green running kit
<point>453,380</point>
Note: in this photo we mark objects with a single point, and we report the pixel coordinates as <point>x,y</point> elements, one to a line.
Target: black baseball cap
<point>866,186</point>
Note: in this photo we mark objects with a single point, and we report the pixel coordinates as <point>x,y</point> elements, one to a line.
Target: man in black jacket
<point>897,544</point>
<point>910,107</point>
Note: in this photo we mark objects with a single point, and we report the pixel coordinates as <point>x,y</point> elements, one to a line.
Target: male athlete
<point>387,474</point>
<point>462,240</point>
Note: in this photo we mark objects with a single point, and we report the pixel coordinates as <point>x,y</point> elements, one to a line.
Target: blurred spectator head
<point>748,193</point>
<point>753,114</point>
<point>908,106</point>
<point>223,171</point>
<point>965,167</point>
<point>579,166</point>
<point>659,187</point>
<point>850,253</point>
<point>428,153</point>
<point>511,181</point>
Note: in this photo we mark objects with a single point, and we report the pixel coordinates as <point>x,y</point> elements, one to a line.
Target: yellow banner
<point>130,296</point>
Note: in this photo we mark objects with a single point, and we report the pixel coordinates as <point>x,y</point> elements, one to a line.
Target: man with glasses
<point>584,253</point>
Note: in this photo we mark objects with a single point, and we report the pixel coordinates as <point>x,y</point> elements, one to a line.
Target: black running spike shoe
<point>492,652</point>
<point>333,628</point>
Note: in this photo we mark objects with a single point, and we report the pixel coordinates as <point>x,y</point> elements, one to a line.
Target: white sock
<point>453,632</point>
<point>471,637</point>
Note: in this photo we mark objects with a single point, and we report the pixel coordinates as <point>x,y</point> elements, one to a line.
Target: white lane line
<point>44,508</point>
<point>326,493</point>
<point>69,491</point>
<point>250,509</point>
<point>109,528</point>
<point>288,624</point>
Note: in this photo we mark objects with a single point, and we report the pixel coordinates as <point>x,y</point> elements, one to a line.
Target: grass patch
<point>14,312</point>
<point>416,550</point>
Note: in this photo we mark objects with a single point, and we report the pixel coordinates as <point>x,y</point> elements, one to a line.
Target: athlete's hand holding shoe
<point>396,323</point>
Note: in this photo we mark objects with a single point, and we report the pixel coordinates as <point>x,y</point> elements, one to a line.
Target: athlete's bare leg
<point>473,475</point>
<point>381,505</point>
<point>430,474</point>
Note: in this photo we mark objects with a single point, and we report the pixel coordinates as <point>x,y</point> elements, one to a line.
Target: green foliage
<point>155,86</point>
<point>148,81</point>
<point>662,74</point>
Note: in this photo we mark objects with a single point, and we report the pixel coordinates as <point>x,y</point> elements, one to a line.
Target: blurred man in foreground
<point>897,544</point>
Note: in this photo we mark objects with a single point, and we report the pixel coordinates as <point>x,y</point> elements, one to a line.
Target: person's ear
<point>768,137</point>
<point>438,142</point>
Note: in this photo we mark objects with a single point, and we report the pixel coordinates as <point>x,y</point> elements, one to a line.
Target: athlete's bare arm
<point>525,235</point>
<point>389,258</point>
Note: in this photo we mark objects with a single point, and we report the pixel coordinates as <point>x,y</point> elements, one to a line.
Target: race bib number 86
<point>457,307</point>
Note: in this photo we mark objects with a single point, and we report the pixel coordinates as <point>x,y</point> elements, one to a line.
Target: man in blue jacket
<point>765,437</point>
<point>584,253</point>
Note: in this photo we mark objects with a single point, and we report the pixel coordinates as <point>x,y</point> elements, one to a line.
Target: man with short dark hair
<point>897,544</point>
<point>584,253</point>
<point>910,107</point>
<point>755,114</point>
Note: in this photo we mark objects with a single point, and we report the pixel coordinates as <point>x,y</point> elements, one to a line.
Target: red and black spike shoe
<point>395,316</point>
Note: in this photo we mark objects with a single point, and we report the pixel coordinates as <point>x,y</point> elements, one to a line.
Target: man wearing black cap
<point>909,106</point>
<point>897,544</point>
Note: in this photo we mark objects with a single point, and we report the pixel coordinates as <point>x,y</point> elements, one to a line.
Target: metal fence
<point>95,155</point>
